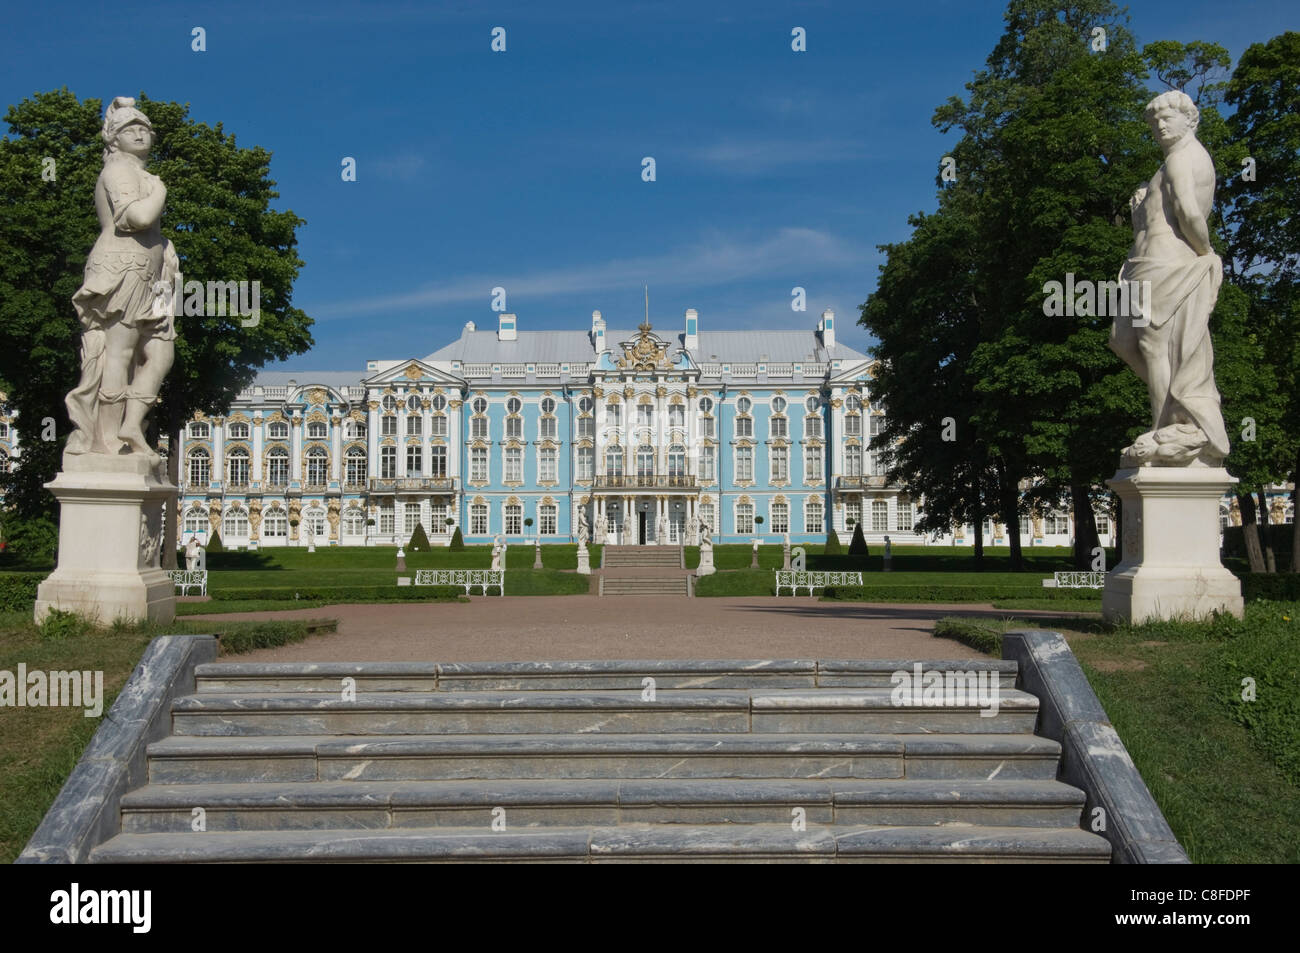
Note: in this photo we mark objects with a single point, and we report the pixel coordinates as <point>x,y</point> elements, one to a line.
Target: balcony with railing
<point>514,370</point>
<point>649,481</point>
<point>478,370</point>
<point>860,482</point>
<point>548,370</point>
<point>412,484</point>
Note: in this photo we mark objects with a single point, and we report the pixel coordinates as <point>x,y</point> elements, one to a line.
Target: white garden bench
<point>794,580</point>
<point>469,578</point>
<point>184,579</point>
<point>1076,580</point>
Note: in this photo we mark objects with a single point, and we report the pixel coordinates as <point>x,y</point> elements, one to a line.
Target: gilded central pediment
<point>645,352</point>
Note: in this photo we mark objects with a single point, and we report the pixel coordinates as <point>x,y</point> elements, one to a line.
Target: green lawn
<point>1225,771</point>
<point>40,746</point>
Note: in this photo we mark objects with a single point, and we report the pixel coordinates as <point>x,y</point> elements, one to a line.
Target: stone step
<point>378,805</point>
<point>626,586</point>
<point>177,760</point>
<point>256,677</point>
<point>658,844</point>
<point>868,710</point>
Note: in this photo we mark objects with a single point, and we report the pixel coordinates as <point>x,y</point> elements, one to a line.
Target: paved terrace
<point>490,629</point>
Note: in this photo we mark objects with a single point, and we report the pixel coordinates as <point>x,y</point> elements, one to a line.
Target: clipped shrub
<point>457,542</point>
<point>858,545</point>
<point>33,540</point>
<point>832,544</point>
<point>1274,586</point>
<point>419,540</point>
<point>335,594</point>
<point>18,590</point>
<point>214,544</point>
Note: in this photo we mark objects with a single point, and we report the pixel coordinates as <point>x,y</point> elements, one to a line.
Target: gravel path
<point>625,627</point>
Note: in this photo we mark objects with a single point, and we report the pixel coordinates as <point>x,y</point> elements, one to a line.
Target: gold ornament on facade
<point>455,404</point>
<point>692,393</point>
<point>295,421</point>
<point>316,395</point>
<point>372,405</point>
<point>598,392</point>
<point>413,372</point>
<point>837,403</point>
<point>644,353</point>
<point>661,391</point>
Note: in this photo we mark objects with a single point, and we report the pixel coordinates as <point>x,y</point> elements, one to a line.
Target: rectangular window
<point>438,426</point>
<point>478,519</point>
<point>879,516</point>
<point>387,462</point>
<point>478,464</point>
<point>812,517</point>
<point>514,465</point>
<point>614,415</point>
<point>780,518</point>
<point>812,464</point>
<point>852,425</point>
<point>779,427</point>
<point>812,427</point>
<point>877,422</point>
<point>514,520</point>
<point>438,518</point>
<point>546,465</point>
<point>744,426</point>
<point>478,428</point>
<point>745,519</point>
<point>277,470</point>
<point>437,461</point>
<point>388,426</point>
<point>237,470</point>
<point>877,463</point>
<point>546,429</point>
<point>412,519</point>
<point>645,415</point>
<point>546,522</point>
<point>275,523</point>
<point>586,427</point>
<point>414,460</point>
<point>708,463</point>
<point>586,463</point>
<point>1103,524</point>
<point>780,458</point>
<point>1025,528</point>
<point>707,514</point>
<point>414,426</point>
<point>1058,523</point>
<point>906,518</point>
<point>745,464</point>
<point>707,427</point>
<point>853,461</point>
<point>514,428</point>
<point>356,469</point>
<point>386,519</point>
<point>852,513</point>
<point>676,415</point>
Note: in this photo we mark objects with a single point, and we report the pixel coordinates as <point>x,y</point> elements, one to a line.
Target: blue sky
<point>523,169</point>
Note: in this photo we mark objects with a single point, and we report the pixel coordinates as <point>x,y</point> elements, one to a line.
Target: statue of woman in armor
<point>125,302</point>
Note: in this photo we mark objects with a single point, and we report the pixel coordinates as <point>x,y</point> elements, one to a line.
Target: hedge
<point>1274,586</point>
<point>345,593</point>
<point>948,593</point>
<point>18,590</point>
<point>1281,535</point>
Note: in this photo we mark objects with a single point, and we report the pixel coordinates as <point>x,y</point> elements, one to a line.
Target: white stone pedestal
<point>1170,567</point>
<point>110,541</point>
<point>584,559</point>
<point>706,562</point>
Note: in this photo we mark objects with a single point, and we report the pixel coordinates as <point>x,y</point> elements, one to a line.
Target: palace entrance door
<point>641,519</point>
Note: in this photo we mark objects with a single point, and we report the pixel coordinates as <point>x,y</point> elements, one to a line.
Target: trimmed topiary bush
<point>419,540</point>
<point>832,544</point>
<point>457,542</point>
<point>214,544</point>
<point>858,545</point>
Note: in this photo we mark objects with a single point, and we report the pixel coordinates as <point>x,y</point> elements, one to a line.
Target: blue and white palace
<point>506,432</point>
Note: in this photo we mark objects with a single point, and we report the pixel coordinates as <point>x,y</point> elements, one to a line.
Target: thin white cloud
<point>713,261</point>
<point>757,156</point>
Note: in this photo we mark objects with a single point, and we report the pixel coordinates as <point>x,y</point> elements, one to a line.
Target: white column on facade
<point>336,447</point>
<point>372,437</point>
<point>401,436</point>
<point>257,446</point>
<point>295,446</point>
<point>454,444</point>
<point>426,424</point>
<point>219,449</point>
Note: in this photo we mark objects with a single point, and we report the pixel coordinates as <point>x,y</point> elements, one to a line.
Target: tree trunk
<point>1250,532</point>
<point>1086,540</point>
<point>1265,533</point>
<point>979,529</point>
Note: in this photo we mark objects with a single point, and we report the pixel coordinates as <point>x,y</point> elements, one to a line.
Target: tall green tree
<point>219,218</point>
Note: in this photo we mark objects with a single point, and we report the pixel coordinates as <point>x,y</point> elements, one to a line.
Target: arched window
<point>278,430</point>
<point>235,525</point>
<point>317,467</point>
<point>354,430</point>
<point>237,467</point>
<point>390,403</point>
<point>413,404</point>
<point>200,467</point>
<point>196,521</point>
<point>645,464</point>
<point>275,523</point>
<point>480,405</point>
<point>778,405</point>
<point>584,404</point>
<point>677,462</point>
<point>356,462</point>
<point>614,463</point>
<point>199,431</point>
<point>853,403</point>
<point>439,403</point>
<point>313,523</point>
<point>354,522</point>
<point>548,405</point>
<point>277,468</point>
<point>239,431</point>
<point>513,405</point>
<point>317,431</point>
